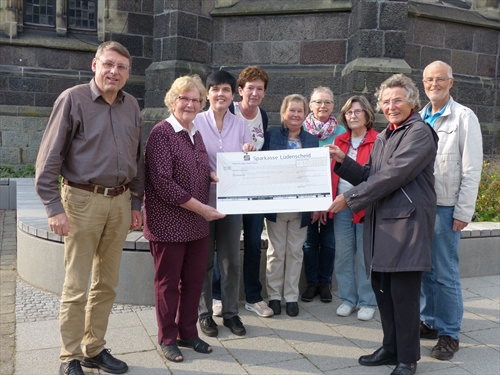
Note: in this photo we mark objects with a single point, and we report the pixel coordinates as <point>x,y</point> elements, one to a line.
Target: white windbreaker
<point>459,159</point>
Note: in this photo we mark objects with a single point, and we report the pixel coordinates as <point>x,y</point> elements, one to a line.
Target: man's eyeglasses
<point>108,65</point>
<point>438,80</point>
<point>356,113</point>
<point>186,100</point>
<point>319,103</point>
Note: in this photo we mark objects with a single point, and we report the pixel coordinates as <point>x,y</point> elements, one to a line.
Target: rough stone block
<point>257,52</point>
<point>205,29</point>
<point>227,53</point>
<point>45,100</point>
<point>430,54</point>
<point>140,24</point>
<point>459,37</point>
<point>24,56</point>
<point>486,41</point>
<point>395,44</point>
<point>464,62</point>
<point>31,154</point>
<point>472,95</point>
<point>193,50</point>
<point>286,85</point>
<point>53,58</point>
<point>485,114</point>
<point>34,139</point>
<point>148,47</point>
<point>133,43</point>
<point>4,83</point>
<point>331,26</point>
<point>11,123</point>
<point>219,26</point>
<point>241,29</point>
<point>486,66</point>
<point>188,6</point>
<point>328,80</point>
<point>161,27</point>
<point>139,65</point>
<point>284,28</point>
<point>15,138</point>
<point>5,55</point>
<point>323,52</point>
<point>157,49</point>
<point>429,33</point>
<point>10,156</point>
<point>285,53</point>
<point>28,84</point>
<point>81,60</point>
<point>129,5</point>
<point>393,15</point>
<point>410,28</point>
<point>57,86</point>
<point>365,43</point>
<point>154,99</point>
<point>412,55</point>
<point>365,16</point>
<point>272,103</point>
<point>187,25</point>
<point>17,98</point>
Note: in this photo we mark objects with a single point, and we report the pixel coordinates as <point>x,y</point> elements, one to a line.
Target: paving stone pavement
<point>315,342</point>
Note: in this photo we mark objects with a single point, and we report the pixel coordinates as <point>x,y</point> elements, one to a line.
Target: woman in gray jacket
<point>396,187</point>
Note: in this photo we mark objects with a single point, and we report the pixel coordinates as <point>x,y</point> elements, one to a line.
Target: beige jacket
<point>459,159</point>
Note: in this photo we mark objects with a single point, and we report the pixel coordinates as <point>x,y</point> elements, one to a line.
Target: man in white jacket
<point>457,171</point>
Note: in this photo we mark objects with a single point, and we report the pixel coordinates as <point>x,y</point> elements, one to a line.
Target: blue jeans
<point>349,248</point>
<point>441,304</point>
<point>252,235</point>
<point>319,252</point>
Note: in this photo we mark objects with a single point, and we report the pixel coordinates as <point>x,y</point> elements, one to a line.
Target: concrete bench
<point>40,253</point>
<point>8,194</point>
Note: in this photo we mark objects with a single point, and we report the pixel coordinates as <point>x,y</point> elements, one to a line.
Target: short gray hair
<point>400,80</point>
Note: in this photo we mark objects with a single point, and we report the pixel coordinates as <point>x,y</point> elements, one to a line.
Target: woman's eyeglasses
<point>319,103</point>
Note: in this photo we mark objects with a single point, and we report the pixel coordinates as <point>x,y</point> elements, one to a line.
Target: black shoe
<point>209,327</point>
<point>405,369</point>
<point>324,292</point>
<point>105,361</point>
<point>275,305</point>
<point>310,293</point>
<point>378,358</point>
<point>71,368</point>
<point>292,308</point>
<point>426,332</point>
<point>235,325</point>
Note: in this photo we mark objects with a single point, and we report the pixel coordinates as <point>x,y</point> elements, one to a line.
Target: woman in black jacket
<point>396,187</point>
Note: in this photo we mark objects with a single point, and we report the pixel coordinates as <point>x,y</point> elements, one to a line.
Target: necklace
<point>360,143</point>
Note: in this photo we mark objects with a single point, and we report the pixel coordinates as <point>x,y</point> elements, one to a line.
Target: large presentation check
<point>296,180</point>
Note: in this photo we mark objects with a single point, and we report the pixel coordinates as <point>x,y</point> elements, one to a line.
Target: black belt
<point>113,191</point>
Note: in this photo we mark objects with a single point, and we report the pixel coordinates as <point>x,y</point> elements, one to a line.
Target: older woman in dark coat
<point>396,187</point>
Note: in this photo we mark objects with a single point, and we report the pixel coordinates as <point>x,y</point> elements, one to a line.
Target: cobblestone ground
<point>34,305</point>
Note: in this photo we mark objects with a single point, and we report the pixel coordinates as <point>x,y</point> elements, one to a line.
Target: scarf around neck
<point>322,130</point>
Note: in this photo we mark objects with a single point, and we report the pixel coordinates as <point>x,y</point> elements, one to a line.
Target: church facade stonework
<point>350,46</point>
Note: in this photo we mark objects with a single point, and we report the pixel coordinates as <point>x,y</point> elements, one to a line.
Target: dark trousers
<point>398,299</point>
<point>179,273</point>
<point>252,234</point>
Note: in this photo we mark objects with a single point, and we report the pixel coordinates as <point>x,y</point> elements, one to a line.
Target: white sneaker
<point>217,307</point>
<point>366,313</point>
<point>260,308</point>
<point>345,310</point>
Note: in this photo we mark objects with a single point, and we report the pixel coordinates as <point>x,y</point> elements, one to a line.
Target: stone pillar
<point>375,47</point>
<point>182,37</point>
